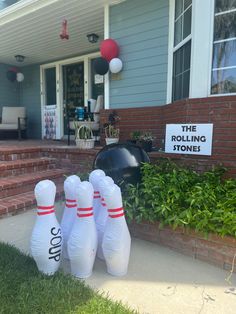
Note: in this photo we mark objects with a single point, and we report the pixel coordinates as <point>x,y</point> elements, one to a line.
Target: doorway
<point>65,85</point>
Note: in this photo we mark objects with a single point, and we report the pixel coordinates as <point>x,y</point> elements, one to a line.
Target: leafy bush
<point>178,196</point>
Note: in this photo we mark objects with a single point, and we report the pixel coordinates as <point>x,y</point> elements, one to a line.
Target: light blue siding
<point>30,98</point>
<point>9,91</point>
<point>141,30</point>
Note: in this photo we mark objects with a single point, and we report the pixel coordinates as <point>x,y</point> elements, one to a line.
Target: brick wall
<point>213,249</point>
<point>221,111</point>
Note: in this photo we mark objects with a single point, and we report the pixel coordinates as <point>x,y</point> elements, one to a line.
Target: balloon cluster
<point>109,58</point>
<point>13,75</point>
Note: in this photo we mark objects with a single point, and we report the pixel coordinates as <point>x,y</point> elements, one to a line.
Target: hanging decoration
<point>20,77</point>
<point>64,33</point>
<point>109,49</point>
<point>115,65</point>
<point>101,66</point>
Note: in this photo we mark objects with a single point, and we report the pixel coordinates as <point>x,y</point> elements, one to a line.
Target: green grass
<point>23,290</point>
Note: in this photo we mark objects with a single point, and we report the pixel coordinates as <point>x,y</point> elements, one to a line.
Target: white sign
<point>98,79</point>
<point>194,139</point>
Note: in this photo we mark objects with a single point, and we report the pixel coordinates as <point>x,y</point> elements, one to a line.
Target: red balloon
<point>109,49</point>
<point>13,69</point>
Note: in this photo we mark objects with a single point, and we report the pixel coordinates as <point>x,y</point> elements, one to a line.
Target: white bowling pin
<point>82,243</point>
<point>70,210</point>
<point>94,178</point>
<point>102,215</point>
<point>116,240</point>
<point>46,239</point>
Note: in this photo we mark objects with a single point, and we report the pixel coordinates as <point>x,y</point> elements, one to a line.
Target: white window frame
<point>201,49</point>
<point>219,41</point>
<point>172,49</point>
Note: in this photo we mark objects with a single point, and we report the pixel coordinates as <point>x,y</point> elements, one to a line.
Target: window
<point>182,49</point>
<point>223,78</point>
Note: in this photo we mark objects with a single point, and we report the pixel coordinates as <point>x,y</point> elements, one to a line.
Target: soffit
<point>33,31</point>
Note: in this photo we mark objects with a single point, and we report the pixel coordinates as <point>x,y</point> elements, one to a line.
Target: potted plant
<point>146,140</point>
<point>135,136</point>
<point>84,137</point>
<point>112,132</point>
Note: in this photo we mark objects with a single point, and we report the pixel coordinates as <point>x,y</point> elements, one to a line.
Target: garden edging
<point>213,249</point>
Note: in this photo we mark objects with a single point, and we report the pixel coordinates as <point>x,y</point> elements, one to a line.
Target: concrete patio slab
<point>158,281</point>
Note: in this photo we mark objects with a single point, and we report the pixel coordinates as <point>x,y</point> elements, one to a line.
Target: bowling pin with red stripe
<point>102,215</point>
<point>94,178</point>
<point>116,240</point>
<point>46,238</point>
<point>70,210</point>
<point>82,243</point>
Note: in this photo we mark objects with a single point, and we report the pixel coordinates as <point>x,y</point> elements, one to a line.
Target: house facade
<point>178,57</point>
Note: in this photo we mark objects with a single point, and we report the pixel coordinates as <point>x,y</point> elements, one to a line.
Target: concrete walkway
<point>159,281</point>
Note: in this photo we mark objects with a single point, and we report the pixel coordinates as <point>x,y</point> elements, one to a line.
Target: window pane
<point>186,84</point>
<point>223,81</point>
<point>187,3</point>
<point>50,85</point>
<point>225,26</point>
<point>187,23</point>
<point>178,31</point>
<point>178,8</point>
<point>181,71</point>
<point>225,5</point>
<point>224,54</point>
<point>177,88</point>
<point>187,56</point>
<point>178,62</point>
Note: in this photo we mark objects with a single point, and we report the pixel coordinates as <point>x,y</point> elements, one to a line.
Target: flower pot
<point>147,146</point>
<point>111,140</point>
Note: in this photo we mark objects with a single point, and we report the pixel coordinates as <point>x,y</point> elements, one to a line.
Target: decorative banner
<point>109,49</point>
<point>115,65</point>
<point>101,66</point>
<point>194,139</point>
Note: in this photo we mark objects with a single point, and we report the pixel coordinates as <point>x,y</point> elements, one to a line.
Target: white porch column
<point>106,77</point>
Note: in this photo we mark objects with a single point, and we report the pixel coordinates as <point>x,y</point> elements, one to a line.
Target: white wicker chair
<point>14,119</point>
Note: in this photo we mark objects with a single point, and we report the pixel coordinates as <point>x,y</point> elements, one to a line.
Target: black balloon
<point>11,76</point>
<point>121,162</point>
<point>101,66</point>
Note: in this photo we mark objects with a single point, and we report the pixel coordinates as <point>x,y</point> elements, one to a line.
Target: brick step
<point>25,183</point>
<point>24,166</point>
<point>24,201</point>
<point>15,153</point>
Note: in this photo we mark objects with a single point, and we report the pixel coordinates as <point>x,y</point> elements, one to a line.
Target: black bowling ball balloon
<point>121,162</point>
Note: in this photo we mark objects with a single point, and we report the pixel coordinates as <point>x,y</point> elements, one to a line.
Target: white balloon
<point>115,65</point>
<point>20,77</point>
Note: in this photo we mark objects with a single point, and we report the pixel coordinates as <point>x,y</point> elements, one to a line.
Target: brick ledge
<point>214,249</point>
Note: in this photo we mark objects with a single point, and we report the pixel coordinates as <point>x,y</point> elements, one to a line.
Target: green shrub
<point>177,196</point>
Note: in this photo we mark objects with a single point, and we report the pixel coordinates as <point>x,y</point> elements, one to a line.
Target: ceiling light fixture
<point>92,38</point>
<point>20,58</point>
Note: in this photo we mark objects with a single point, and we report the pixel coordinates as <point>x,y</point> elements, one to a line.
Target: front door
<point>73,91</point>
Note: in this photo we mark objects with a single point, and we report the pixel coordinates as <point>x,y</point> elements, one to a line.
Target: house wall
<point>9,91</point>
<point>221,111</point>
<point>30,98</point>
<point>141,30</point>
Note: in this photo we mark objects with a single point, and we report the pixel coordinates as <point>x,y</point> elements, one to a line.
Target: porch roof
<point>32,27</point>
